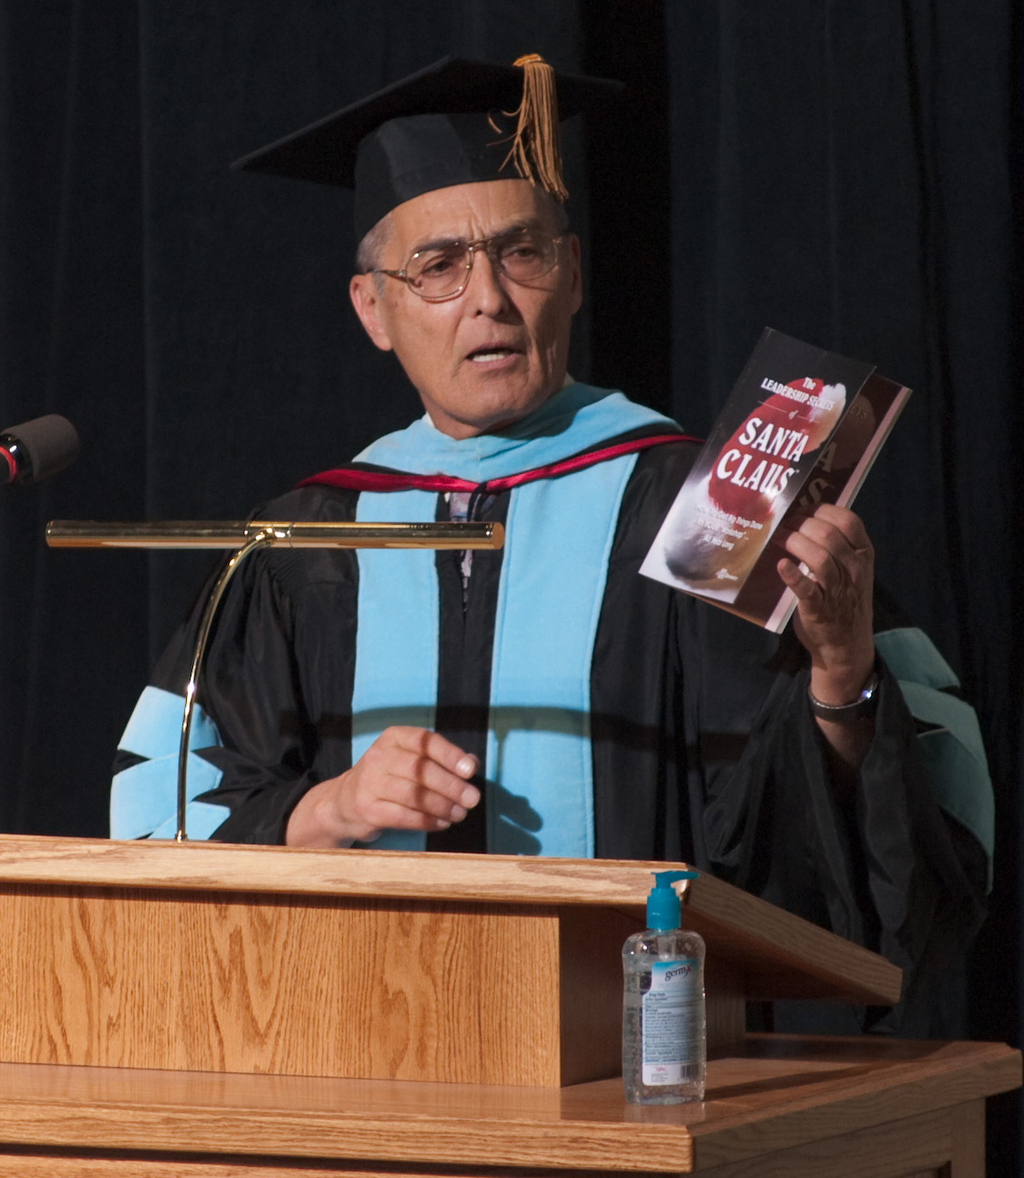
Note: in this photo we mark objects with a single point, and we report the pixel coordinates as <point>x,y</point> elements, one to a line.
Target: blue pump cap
<point>664,911</point>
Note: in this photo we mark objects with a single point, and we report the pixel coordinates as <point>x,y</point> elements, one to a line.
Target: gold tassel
<point>535,145</point>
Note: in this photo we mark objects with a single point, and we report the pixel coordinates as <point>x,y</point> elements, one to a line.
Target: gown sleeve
<point>267,726</point>
<point>900,860</point>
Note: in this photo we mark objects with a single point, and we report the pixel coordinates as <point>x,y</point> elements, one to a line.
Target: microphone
<point>37,449</point>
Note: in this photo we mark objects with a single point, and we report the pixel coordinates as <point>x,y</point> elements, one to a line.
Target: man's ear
<point>366,299</point>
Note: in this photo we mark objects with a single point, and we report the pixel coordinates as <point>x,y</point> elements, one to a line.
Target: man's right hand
<point>408,779</point>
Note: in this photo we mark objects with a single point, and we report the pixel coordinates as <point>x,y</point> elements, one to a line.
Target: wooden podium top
<point>877,1098</point>
<point>788,956</point>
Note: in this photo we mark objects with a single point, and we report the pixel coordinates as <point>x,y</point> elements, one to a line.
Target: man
<point>546,699</point>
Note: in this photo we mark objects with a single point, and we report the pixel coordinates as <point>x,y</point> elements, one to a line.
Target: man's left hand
<point>833,616</point>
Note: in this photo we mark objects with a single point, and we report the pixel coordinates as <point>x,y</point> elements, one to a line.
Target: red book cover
<point>801,427</point>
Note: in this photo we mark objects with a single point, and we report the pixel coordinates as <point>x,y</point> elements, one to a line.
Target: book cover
<point>801,427</point>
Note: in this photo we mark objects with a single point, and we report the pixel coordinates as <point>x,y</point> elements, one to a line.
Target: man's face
<point>495,353</point>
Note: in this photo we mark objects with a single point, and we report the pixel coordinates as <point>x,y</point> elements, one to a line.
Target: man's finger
<point>821,564</point>
<point>437,748</point>
<point>835,528</point>
<point>440,801</point>
<point>416,771</point>
<point>845,521</point>
<point>796,579</point>
<point>386,814</point>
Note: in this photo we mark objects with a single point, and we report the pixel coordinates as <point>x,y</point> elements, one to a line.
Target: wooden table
<point>788,1106</point>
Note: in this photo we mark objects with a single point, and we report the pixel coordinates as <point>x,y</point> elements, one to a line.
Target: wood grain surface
<point>788,957</point>
<point>291,985</point>
<point>313,985</point>
<point>784,1093</point>
<point>726,1007</point>
<point>147,1165</point>
<point>938,1144</point>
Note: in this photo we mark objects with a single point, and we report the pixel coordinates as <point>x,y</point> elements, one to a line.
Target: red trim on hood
<point>350,479</point>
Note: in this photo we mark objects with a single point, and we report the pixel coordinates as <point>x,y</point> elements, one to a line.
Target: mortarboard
<point>453,122</point>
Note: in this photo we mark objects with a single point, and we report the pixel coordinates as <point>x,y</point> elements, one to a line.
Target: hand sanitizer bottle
<point>664,1032</point>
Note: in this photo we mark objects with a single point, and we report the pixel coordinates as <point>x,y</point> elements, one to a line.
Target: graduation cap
<point>453,122</point>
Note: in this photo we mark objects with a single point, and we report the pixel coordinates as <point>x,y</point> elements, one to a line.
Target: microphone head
<point>50,442</point>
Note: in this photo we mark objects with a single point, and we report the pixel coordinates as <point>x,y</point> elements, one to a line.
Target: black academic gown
<point>704,748</point>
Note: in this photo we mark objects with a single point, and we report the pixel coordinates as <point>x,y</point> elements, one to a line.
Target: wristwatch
<point>861,707</point>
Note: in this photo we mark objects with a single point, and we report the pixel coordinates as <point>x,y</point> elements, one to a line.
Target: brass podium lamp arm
<point>260,539</point>
<point>244,538</point>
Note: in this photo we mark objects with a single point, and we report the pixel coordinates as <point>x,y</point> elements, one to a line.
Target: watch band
<point>862,706</point>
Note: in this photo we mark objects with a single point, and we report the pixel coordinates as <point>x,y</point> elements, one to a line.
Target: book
<point>802,427</point>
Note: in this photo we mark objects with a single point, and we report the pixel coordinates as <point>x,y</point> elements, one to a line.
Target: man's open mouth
<point>483,355</point>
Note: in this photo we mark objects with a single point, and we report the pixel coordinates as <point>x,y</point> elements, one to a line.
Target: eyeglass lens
<point>523,255</point>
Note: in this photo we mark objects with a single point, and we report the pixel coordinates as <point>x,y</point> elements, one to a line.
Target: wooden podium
<point>205,1009</point>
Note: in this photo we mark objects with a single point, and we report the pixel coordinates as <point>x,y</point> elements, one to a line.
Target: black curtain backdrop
<point>846,173</point>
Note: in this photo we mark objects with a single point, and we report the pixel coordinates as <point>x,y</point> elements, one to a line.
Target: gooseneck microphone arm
<point>245,538</point>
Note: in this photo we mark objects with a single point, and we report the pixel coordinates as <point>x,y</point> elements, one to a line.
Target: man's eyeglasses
<point>441,272</point>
